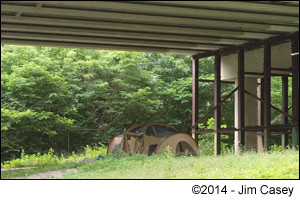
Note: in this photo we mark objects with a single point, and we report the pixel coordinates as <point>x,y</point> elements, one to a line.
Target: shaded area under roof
<point>188,27</point>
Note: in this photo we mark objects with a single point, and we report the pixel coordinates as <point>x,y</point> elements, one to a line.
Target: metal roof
<point>188,27</point>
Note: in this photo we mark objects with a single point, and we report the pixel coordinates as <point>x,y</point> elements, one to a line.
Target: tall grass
<point>35,160</point>
<point>275,164</point>
<point>250,165</point>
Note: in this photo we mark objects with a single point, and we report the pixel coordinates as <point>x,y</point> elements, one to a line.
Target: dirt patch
<point>50,174</point>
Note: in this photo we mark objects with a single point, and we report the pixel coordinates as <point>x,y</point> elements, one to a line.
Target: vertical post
<point>217,99</point>
<point>260,114</point>
<point>295,91</point>
<point>241,99</point>
<point>284,119</point>
<point>267,95</point>
<point>195,93</point>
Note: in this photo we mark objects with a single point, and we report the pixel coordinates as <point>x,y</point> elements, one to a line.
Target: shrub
<point>206,141</point>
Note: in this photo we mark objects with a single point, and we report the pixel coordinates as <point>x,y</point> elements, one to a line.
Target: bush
<point>206,141</point>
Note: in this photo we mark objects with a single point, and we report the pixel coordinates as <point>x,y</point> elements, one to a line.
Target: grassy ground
<point>273,165</point>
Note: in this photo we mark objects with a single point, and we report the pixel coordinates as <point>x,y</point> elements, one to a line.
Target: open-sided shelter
<point>250,41</point>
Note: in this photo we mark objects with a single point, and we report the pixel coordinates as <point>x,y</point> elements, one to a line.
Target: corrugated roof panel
<point>189,27</point>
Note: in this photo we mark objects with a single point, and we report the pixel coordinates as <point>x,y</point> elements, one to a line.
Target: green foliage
<point>271,165</point>
<point>276,94</point>
<point>206,141</point>
<point>66,99</point>
<point>119,153</point>
<point>14,124</point>
<point>276,148</point>
<point>166,152</point>
<point>39,160</point>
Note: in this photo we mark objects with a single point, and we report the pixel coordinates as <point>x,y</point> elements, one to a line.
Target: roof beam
<point>95,46</point>
<point>152,19</point>
<point>168,10</point>
<point>119,34</point>
<point>231,5</point>
<point>105,40</point>
<point>133,27</point>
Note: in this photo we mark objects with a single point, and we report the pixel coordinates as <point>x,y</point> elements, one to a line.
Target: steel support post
<point>241,99</point>
<point>285,108</point>
<point>195,97</point>
<point>217,100</point>
<point>267,95</point>
<point>295,90</point>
